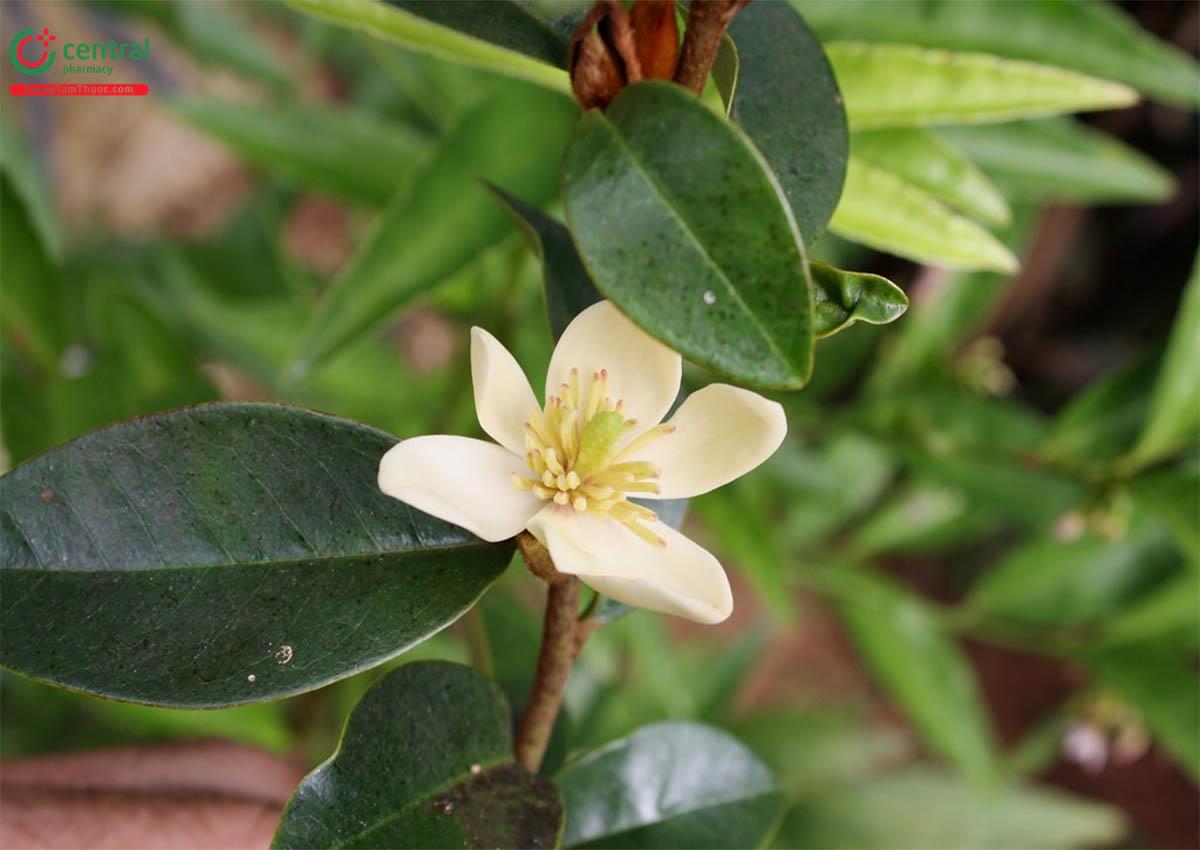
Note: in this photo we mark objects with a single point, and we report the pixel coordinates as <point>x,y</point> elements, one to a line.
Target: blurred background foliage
<point>967,584</point>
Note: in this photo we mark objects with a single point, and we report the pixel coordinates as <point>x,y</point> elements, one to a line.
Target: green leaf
<point>29,184</point>
<point>350,152</point>
<point>787,101</point>
<point>428,233</point>
<point>925,518</point>
<point>1101,422</point>
<point>928,808</point>
<point>1174,419</point>
<point>418,28</point>
<point>30,312</point>
<point>927,161</point>
<point>1058,583</point>
<point>881,209</point>
<point>842,298</point>
<point>902,85</point>
<point>1058,158</point>
<point>1168,612</point>
<point>1092,37</point>
<point>669,785</point>
<point>222,554</point>
<point>426,761</point>
<point>923,669</point>
<point>569,290</point>
<point>1173,495</point>
<point>693,242</point>
<point>1162,683</point>
<point>538,30</point>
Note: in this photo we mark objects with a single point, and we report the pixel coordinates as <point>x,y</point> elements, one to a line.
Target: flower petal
<point>463,481</point>
<point>721,433</point>
<point>680,578</point>
<point>642,371</point>
<point>503,397</point>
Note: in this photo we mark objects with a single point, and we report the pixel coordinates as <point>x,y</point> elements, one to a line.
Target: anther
<point>561,498</point>
<point>580,503</point>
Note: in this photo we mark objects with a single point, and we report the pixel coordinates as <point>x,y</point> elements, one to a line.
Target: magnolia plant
<point>673,170</point>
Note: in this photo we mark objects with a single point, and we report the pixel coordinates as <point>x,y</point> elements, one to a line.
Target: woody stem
<point>707,21</point>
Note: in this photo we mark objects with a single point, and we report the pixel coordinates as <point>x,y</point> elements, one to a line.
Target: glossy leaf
<point>321,149</point>
<point>538,30</point>
<point>518,41</point>
<point>1162,683</point>
<point>787,101</point>
<point>1174,418</point>
<point>1058,158</point>
<point>425,761</point>
<point>901,85</point>
<point>669,785</point>
<point>222,554</point>
<point>842,298</point>
<point>923,669</point>
<point>693,242</point>
<point>569,290</point>
<point>881,209</point>
<point>927,161</point>
<point>448,217</point>
<point>925,807</point>
<point>1055,583</point>
<point>1096,38</point>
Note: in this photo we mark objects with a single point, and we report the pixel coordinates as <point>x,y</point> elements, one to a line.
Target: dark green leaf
<point>787,101</point>
<point>569,290</point>
<point>448,217</point>
<point>222,554</point>
<point>927,161</point>
<point>426,761</point>
<point>924,807</point>
<point>29,184</point>
<point>1058,158</point>
<point>693,242</point>
<point>842,298</point>
<point>1162,683</point>
<point>669,785</point>
<point>923,669</point>
<point>1168,612</point>
<point>1173,495</point>
<point>1092,37</point>
<point>352,153</point>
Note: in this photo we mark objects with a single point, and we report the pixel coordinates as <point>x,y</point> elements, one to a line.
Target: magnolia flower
<point>569,470</point>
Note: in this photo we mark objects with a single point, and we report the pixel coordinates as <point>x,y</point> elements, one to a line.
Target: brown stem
<point>560,645</point>
<point>707,20</point>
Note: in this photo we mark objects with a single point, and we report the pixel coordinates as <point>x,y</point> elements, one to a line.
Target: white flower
<point>566,472</point>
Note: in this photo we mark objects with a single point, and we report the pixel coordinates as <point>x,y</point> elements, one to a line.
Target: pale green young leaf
<point>881,209</point>
<point>929,162</point>
<point>902,85</point>
<point>1058,158</point>
<point>416,31</point>
<point>1093,37</point>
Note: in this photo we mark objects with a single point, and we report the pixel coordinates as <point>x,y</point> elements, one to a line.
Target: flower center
<point>571,449</point>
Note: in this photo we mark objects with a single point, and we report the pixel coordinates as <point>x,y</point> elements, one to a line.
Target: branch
<point>707,21</point>
<point>560,645</point>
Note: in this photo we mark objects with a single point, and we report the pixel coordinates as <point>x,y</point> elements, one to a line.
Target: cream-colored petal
<point>503,397</point>
<point>463,481</point>
<point>721,433</point>
<point>642,372</point>
<point>680,578</point>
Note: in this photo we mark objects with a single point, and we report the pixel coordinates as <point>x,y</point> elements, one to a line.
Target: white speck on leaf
<point>710,297</point>
<point>476,770</point>
<point>284,654</point>
<point>251,678</point>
